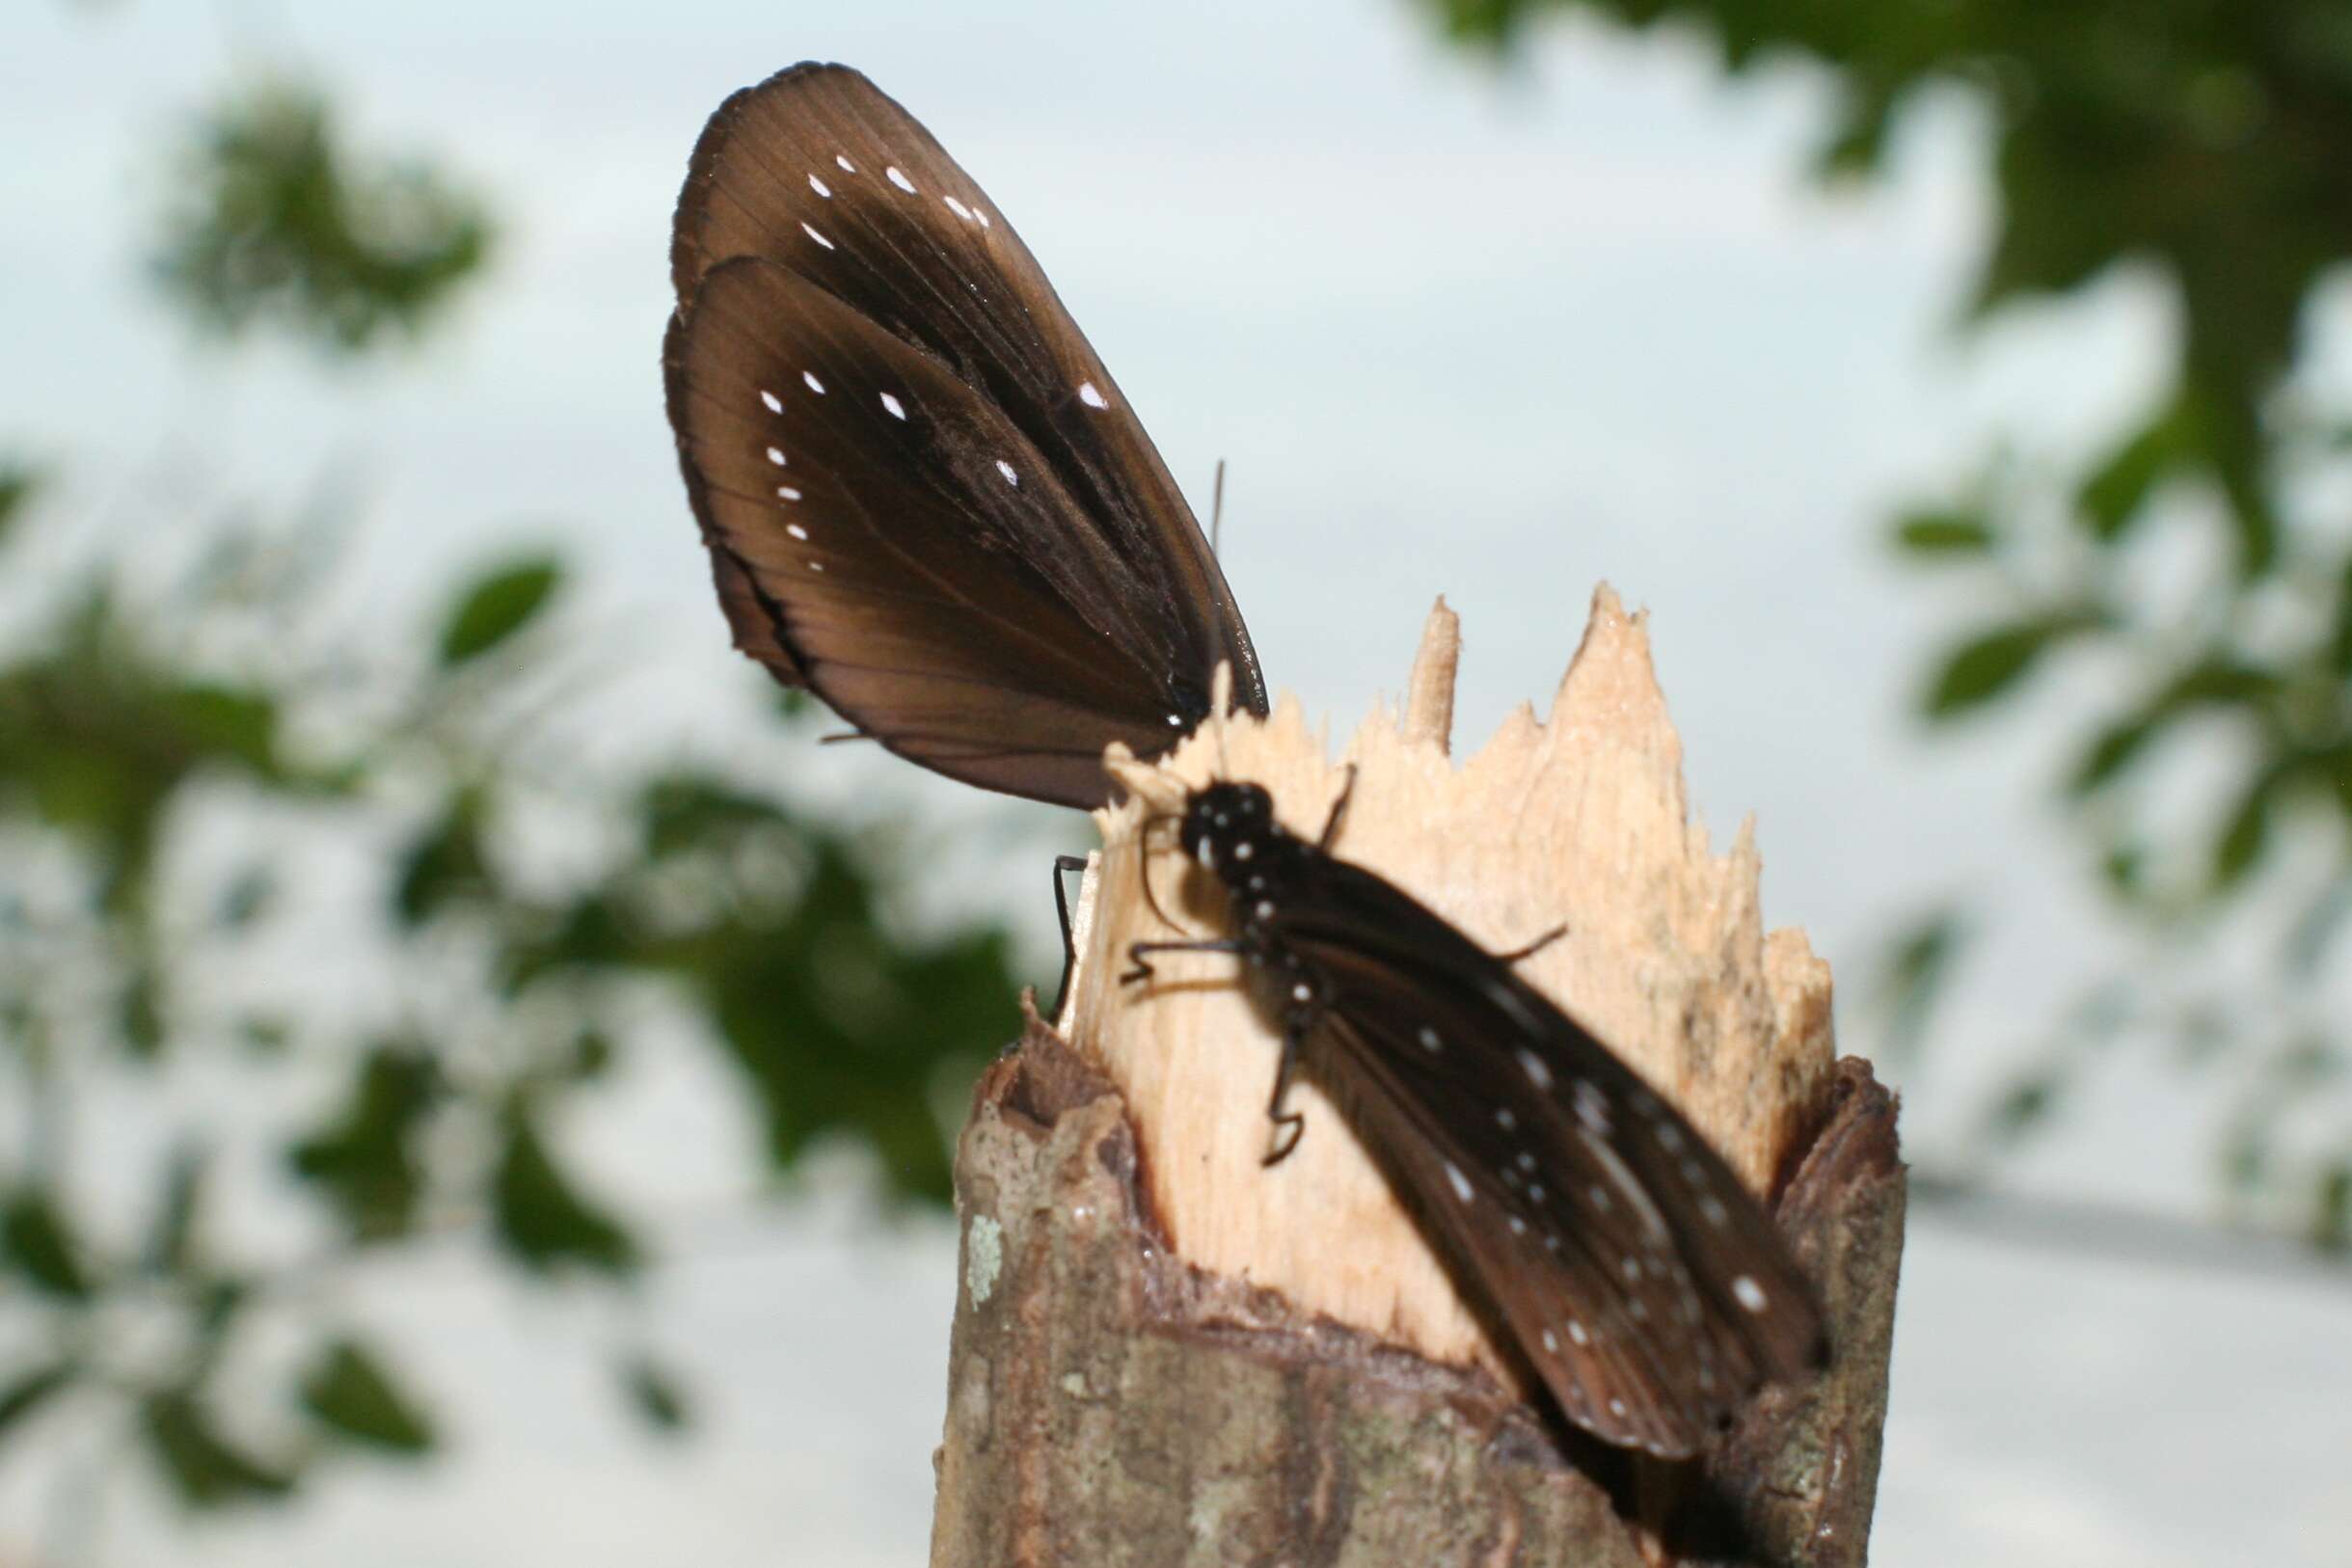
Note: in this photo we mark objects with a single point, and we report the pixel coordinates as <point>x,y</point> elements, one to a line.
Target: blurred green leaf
<point>2028,1101</point>
<point>274,219</point>
<point>40,1246</point>
<point>655,1393</point>
<point>1988,664</point>
<point>2339,647</point>
<point>206,1467</point>
<point>23,1399</point>
<point>2242,842</point>
<point>591,1056</point>
<point>497,606</point>
<point>240,725</point>
<point>349,1391</point>
<point>1858,144</point>
<point>172,1238</point>
<point>541,1217</point>
<point>446,863</point>
<point>19,481</point>
<point>2116,493</point>
<point>2331,1226</point>
<point>1942,533</point>
<point>143,1018</point>
<point>2111,751</point>
<point>366,1161</point>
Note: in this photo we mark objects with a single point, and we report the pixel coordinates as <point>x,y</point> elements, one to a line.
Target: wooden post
<point>1164,1353</point>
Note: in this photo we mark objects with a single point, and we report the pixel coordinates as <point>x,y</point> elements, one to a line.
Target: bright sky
<point>1494,338</point>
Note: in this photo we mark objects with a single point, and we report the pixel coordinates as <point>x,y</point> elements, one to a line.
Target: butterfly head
<point>1228,824</point>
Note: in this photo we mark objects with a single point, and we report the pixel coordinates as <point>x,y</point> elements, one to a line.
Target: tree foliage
<point>2211,146</point>
<point>184,747</point>
<point>277,220</point>
<point>505,999</point>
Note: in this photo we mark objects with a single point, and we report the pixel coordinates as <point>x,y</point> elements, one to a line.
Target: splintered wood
<point>1578,818</point>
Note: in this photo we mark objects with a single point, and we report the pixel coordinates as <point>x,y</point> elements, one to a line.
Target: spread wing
<point>924,496</point>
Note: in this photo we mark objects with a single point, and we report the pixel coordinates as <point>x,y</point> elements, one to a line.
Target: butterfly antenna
<point>1216,508</point>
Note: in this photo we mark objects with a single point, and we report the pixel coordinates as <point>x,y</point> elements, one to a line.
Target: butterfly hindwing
<point>1642,1281</point>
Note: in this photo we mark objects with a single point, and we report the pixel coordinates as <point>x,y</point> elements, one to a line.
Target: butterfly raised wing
<point>924,496</point>
<point>1639,1277</point>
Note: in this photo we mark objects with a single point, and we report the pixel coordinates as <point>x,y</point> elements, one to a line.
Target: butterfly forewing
<point>1642,1281</point>
<point>967,443</point>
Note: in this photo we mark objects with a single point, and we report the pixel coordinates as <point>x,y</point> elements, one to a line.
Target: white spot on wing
<point>785,492</point>
<point>1005,469</point>
<point>899,180</point>
<point>1713,1208</point>
<point>819,186</point>
<point>819,238</point>
<point>1533,1066</point>
<point>1551,1342</point>
<point>1461,1183</point>
<point>959,209</point>
<point>1504,1119</point>
<point>1576,1331</point>
<point>1092,395</point>
<point>796,530</point>
<point>1748,1293</point>
<point>775,404</point>
<point>1429,1038</point>
<point>814,385</point>
<point>775,455</point>
<point>846,167</point>
<point>897,408</point>
<point>816,566</point>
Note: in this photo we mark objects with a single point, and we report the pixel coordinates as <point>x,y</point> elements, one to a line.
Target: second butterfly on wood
<point>1647,1289</point>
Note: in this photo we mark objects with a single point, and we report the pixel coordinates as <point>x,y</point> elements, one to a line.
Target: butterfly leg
<point>1293,1122</point>
<point>1063,866</point>
<point>1339,810</point>
<point>1143,969</point>
<point>1512,957</point>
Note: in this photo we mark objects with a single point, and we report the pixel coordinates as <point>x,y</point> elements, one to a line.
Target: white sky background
<point>1496,339</point>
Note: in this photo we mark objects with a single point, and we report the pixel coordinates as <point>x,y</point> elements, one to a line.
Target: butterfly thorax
<point>1230,830</point>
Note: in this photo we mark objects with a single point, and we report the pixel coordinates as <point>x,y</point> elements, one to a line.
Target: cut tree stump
<point>1165,1353</point>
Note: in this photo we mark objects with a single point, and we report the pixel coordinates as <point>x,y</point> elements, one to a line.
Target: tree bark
<point>1165,1354</point>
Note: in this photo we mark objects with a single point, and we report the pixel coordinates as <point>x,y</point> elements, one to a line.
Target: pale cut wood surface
<point>1577,819</point>
<point>1153,1361</point>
